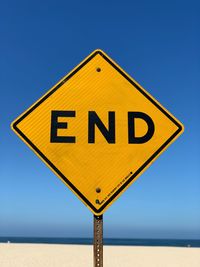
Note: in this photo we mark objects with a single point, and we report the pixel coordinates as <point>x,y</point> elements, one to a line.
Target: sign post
<point>98,241</point>
<point>98,130</point>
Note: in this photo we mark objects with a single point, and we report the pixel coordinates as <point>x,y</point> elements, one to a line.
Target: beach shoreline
<point>62,255</point>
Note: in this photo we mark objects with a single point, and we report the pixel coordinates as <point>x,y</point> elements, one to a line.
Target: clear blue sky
<point>157,43</point>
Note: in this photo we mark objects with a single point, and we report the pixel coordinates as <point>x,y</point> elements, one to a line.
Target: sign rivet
<point>98,190</point>
<point>98,69</point>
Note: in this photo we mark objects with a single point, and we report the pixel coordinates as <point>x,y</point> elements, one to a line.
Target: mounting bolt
<point>98,190</point>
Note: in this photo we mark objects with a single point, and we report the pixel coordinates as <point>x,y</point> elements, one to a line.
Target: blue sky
<point>157,43</point>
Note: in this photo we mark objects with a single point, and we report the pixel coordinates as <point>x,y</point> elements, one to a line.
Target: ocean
<point>106,241</point>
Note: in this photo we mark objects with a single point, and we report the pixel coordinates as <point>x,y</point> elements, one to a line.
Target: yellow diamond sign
<point>98,130</point>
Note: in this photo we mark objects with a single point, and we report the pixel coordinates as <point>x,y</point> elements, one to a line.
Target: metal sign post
<point>98,241</point>
<point>96,117</point>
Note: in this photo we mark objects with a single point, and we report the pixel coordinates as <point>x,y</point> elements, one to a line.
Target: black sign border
<point>132,177</point>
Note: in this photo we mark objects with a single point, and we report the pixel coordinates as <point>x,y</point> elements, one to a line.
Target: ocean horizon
<point>106,241</point>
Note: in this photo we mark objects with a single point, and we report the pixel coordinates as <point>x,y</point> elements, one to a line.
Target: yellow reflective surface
<point>97,84</point>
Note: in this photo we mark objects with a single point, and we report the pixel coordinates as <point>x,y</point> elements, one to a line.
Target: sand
<point>39,255</point>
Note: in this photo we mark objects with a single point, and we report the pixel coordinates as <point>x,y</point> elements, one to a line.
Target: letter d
<point>132,139</point>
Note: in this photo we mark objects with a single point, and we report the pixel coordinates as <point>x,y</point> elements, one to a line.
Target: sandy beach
<point>42,255</point>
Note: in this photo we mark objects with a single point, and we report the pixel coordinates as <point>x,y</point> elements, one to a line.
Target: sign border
<point>134,175</point>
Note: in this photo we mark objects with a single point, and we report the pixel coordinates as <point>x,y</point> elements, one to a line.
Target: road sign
<point>98,130</point>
